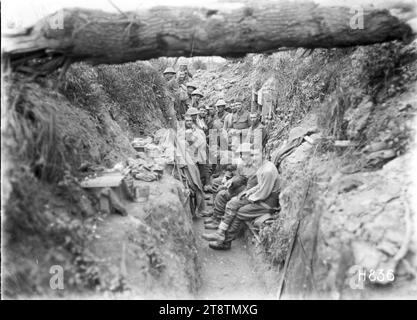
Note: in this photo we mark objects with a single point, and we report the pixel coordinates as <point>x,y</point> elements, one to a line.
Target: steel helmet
<point>192,85</point>
<point>169,70</point>
<point>221,102</point>
<point>197,92</point>
<point>192,111</point>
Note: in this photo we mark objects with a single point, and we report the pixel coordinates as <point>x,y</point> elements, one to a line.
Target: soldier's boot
<point>213,218</point>
<point>219,235</point>
<point>209,220</point>
<point>220,245</point>
<point>212,226</point>
<point>205,213</point>
<point>232,230</point>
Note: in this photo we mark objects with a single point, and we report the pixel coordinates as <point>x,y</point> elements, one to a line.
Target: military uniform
<point>241,120</point>
<point>251,204</point>
<point>228,121</point>
<point>197,150</point>
<point>218,122</point>
<point>262,200</point>
<point>256,134</point>
<point>201,123</point>
<point>244,179</point>
<point>184,76</point>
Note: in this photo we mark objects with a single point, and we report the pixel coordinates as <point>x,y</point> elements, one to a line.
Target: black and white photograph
<point>223,150</point>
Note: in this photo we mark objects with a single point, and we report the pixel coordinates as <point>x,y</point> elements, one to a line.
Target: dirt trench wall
<point>354,211</point>
<point>349,220</point>
<point>151,253</point>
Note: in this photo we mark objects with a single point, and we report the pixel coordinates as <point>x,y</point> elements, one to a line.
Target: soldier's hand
<point>243,195</point>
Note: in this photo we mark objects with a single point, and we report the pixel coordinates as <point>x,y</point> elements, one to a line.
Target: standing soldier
<point>193,113</point>
<point>169,74</point>
<point>183,71</point>
<point>190,87</point>
<point>228,120</point>
<point>257,132</point>
<point>218,120</point>
<point>202,119</point>
<point>196,97</point>
<point>174,93</point>
<point>195,148</point>
<point>221,140</point>
<point>196,140</point>
<point>240,119</point>
<point>211,116</point>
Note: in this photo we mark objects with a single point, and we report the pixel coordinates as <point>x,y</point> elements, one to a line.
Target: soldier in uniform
<point>243,178</point>
<point>248,205</point>
<point>174,93</point>
<point>186,97</point>
<point>202,119</point>
<point>196,97</point>
<point>217,124</point>
<point>228,119</point>
<point>211,115</point>
<point>183,70</point>
<point>218,120</point>
<point>169,74</point>
<point>193,113</point>
<point>257,132</point>
<point>196,140</point>
<point>240,119</point>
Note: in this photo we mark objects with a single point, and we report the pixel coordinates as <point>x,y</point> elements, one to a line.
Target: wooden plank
<point>113,179</point>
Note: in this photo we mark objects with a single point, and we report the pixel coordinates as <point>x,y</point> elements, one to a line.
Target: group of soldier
<point>245,186</point>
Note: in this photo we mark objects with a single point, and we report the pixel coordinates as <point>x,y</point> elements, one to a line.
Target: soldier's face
<point>246,157</point>
<point>197,97</point>
<point>188,123</point>
<point>203,113</point>
<point>220,109</point>
<point>183,68</point>
<point>254,120</point>
<point>257,159</point>
<point>194,117</point>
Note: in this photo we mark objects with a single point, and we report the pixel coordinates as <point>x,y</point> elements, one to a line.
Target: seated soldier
<point>219,182</point>
<point>244,177</point>
<point>248,205</point>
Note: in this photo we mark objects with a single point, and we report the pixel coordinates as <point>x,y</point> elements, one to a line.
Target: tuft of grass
<point>36,142</point>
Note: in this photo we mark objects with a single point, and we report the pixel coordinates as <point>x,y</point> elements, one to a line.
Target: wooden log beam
<point>228,30</point>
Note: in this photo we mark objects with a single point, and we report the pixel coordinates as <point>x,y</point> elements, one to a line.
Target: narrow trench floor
<point>227,274</point>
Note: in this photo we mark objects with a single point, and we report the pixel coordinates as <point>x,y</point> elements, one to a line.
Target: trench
<point>231,274</point>
<point>157,252</point>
